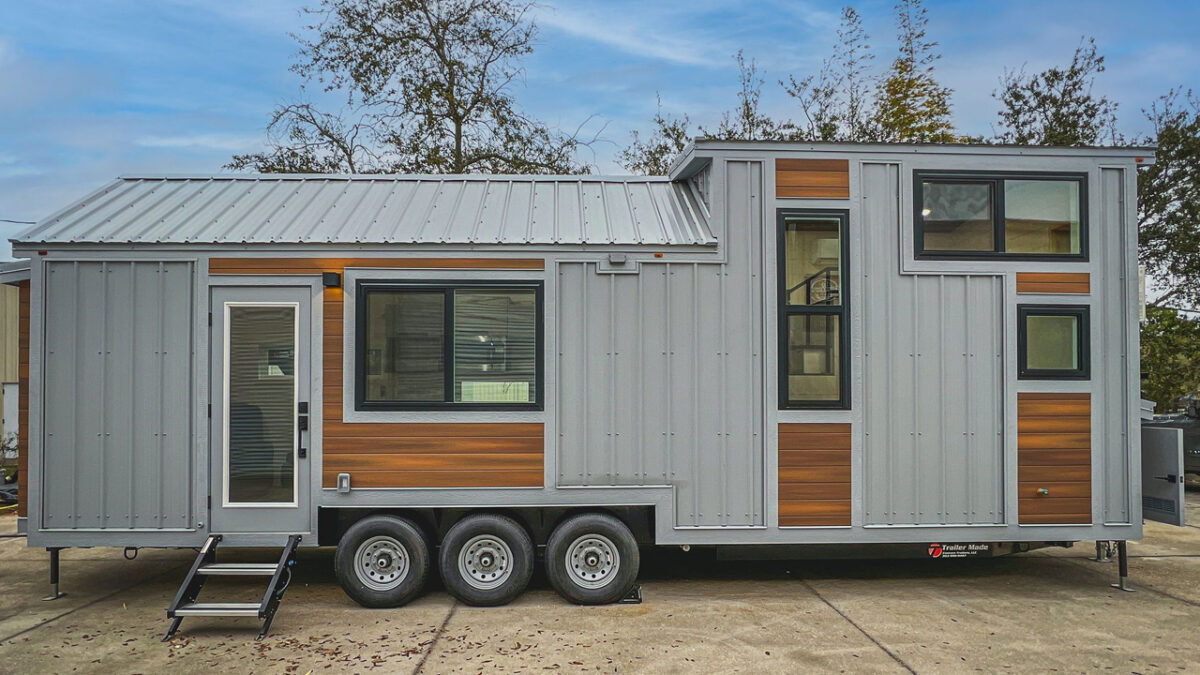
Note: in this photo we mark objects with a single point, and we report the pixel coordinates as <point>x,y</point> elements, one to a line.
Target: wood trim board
<point>814,475</point>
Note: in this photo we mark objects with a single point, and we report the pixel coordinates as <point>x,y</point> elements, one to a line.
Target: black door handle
<point>1170,478</point>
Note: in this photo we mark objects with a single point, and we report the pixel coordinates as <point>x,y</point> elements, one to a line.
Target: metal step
<point>218,609</point>
<point>239,569</point>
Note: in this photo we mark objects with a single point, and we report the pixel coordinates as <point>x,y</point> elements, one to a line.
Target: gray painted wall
<point>660,376</point>
<point>118,363</point>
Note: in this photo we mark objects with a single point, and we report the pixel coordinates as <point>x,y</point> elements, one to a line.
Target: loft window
<point>448,345</point>
<point>1026,216</point>
<point>1052,342</point>
<point>813,330</point>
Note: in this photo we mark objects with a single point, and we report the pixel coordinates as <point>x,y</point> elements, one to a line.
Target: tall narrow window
<point>813,330</point>
<point>440,345</point>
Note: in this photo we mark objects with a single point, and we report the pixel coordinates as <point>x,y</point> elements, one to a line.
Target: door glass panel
<point>261,413</point>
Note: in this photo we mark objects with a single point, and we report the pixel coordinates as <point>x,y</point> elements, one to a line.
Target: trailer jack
<point>1123,562</point>
<point>54,592</point>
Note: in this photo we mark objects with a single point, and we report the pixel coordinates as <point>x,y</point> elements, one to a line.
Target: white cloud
<point>630,37</point>
<point>202,141</point>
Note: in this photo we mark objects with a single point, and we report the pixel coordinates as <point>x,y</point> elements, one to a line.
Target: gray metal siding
<point>934,380</point>
<point>118,366</point>
<point>660,374</point>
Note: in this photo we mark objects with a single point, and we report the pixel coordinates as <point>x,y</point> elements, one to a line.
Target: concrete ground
<point>1047,611</point>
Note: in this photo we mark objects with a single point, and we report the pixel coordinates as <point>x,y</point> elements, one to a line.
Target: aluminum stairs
<point>185,603</point>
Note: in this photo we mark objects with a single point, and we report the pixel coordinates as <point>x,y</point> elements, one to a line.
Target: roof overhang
<point>14,272</point>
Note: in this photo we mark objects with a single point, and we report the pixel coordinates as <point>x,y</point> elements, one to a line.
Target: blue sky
<point>90,90</point>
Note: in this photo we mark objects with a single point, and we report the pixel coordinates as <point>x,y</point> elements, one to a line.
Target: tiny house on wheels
<point>776,344</point>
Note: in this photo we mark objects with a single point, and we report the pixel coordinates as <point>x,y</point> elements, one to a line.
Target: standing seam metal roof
<point>272,209</point>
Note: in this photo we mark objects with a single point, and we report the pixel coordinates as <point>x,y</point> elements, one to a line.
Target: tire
<point>592,559</point>
<point>486,560</point>
<point>382,561</point>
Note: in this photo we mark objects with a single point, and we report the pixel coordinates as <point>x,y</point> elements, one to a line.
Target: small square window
<point>1052,342</point>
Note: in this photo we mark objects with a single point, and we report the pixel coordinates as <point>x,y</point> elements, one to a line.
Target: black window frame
<point>1083,342</point>
<point>447,286</point>
<point>996,180</point>
<point>842,310</point>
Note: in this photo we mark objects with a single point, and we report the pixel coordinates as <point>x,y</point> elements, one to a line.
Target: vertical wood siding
<point>812,178</point>
<point>10,301</point>
<point>1054,441</point>
<point>392,455</point>
<point>23,400</point>
<point>814,474</point>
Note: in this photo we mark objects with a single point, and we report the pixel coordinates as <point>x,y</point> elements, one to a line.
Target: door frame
<point>316,377</point>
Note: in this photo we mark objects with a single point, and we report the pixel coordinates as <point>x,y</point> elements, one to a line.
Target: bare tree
<point>428,87</point>
<point>837,103</point>
<point>652,155</point>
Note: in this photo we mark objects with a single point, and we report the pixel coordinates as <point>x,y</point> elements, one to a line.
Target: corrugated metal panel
<point>383,210</point>
<point>934,381</point>
<point>660,377</point>
<point>117,395</point>
<point>9,315</point>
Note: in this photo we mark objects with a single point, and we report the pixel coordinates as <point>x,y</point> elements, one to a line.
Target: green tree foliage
<point>1170,357</point>
<point>1169,202</point>
<point>653,153</point>
<point>911,106</point>
<point>1057,106</point>
<point>837,103</point>
<point>427,87</point>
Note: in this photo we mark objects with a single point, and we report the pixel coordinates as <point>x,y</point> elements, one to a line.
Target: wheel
<point>486,560</point>
<point>592,559</point>
<point>382,561</point>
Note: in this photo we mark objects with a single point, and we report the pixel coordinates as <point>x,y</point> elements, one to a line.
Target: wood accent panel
<point>812,178</point>
<point>318,265</point>
<point>392,455</point>
<point>1054,282</point>
<point>814,475</point>
<point>23,399</point>
<point>1054,452</point>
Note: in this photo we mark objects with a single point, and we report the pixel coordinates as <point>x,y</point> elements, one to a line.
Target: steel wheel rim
<point>593,561</point>
<point>381,563</point>
<point>485,562</point>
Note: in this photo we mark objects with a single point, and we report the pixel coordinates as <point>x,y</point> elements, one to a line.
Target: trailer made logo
<point>957,550</point>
